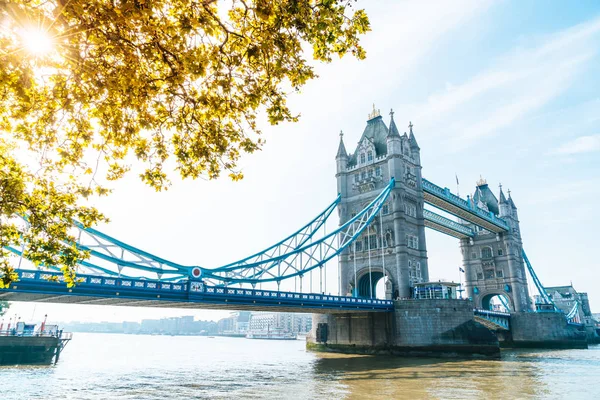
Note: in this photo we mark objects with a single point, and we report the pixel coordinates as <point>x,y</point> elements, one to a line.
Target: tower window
<point>363,175</point>
<point>500,252</point>
<point>410,209</point>
<point>370,156</point>
<point>486,252</point>
<point>378,171</point>
<point>358,245</point>
<point>373,241</point>
<point>412,242</point>
<point>356,177</point>
<point>370,173</point>
<point>385,209</point>
<point>362,158</point>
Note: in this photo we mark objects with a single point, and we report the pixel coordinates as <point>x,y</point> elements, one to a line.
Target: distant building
<point>285,322</point>
<point>171,326</point>
<point>565,298</point>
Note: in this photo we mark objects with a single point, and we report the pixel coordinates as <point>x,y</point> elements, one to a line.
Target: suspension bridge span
<point>384,205</point>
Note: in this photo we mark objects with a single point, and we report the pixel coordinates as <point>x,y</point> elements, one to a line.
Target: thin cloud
<point>582,144</point>
<point>522,81</point>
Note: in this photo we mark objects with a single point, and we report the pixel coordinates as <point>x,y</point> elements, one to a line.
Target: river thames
<point>105,366</point>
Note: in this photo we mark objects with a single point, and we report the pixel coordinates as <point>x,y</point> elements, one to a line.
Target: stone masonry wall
<point>545,330</point>
<point>416,327</point>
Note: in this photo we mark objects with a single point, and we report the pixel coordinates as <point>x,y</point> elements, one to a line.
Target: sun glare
<point>36,41</point>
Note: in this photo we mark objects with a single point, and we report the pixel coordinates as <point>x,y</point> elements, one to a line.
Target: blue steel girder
<point>118,256</point>
<point>538,284</point>
<point>291,243</point>
<point>306,258</point>
<point>291,257</point>
<point>447,226</point>
<point>443,199</point>
<point>499,319</point>
<point>573,313</point>
<point>41,286</point>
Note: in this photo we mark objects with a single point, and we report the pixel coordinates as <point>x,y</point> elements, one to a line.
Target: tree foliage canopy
<point>161,83</point>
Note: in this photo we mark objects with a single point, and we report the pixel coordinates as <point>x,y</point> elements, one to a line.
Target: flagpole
<point>457,185</point>
<point>461,290</point>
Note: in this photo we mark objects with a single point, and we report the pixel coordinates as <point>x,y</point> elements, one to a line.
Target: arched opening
<point>368,284</point>
<point>496,302</point>
<point>380,289</point>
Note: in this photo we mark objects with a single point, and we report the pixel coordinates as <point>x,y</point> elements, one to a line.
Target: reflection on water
<point>96,366</point>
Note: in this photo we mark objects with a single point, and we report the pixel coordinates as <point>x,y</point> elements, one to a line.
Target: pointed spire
<point>411,136</point>
<point>393,130</point>
<point>341,149</point>
<point>502,197</point>
<point>510,200</point>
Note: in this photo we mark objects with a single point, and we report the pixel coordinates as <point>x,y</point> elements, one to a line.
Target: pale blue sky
<point>505,89</point>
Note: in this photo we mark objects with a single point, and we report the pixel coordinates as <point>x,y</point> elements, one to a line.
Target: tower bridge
<point>381,205</point>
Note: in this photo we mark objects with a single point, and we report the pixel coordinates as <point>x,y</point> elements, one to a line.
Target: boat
<point>271,335</point>
<point>24,345</point>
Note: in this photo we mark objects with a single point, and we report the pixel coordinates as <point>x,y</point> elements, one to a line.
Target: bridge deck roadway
<point>35,287</point>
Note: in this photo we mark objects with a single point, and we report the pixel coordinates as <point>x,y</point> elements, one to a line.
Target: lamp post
<point>460,288</point>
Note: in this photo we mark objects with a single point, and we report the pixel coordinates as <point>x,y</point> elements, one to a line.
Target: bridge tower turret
<point>341,162</point>
<point>493,263</point>
<point>394,244</point>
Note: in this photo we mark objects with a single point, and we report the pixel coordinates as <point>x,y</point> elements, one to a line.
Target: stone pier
<point>435,328</point>
<point>546,330</point>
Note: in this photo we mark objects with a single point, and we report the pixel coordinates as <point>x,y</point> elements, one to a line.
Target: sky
<point>505,90</point>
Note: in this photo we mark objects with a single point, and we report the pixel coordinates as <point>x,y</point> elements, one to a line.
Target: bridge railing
<point>482,312</point>
<point>499,318</point>
<point>198,288</point>
<point>294,296</point>
<point>446,194</point>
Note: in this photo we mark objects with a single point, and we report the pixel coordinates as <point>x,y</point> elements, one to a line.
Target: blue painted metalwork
<point>572,315</point>
<point>52,283</point>
<point>469,207</point>
<point>496,317</point>
<point>291,257</point>
<point>293,241</point>
<point>542,291</point>
<point>504,302</point>
<point>301,260</point>
<point>447,226</point>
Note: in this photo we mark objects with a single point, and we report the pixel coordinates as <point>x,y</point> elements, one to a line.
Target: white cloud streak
<point>582,144</point>
<point>521,82</point>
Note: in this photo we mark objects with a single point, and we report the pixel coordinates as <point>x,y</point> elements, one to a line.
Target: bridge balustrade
<point>191,290</point>
<point>499,318</point>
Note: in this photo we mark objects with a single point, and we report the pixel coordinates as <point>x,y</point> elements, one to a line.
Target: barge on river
<point>23,345</point>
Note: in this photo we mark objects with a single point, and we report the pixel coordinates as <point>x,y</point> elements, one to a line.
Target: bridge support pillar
<point>416,328</point>
<point>544,330</point>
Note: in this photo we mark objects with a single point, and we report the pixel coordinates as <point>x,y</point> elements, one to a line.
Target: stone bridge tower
<point>395,246</point>
<point>493,263</point>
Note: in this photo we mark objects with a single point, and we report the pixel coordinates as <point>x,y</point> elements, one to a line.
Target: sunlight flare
<point>36,41</point>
